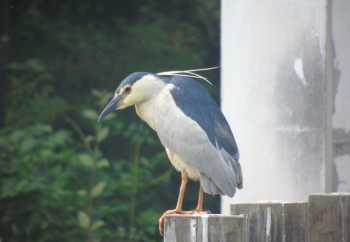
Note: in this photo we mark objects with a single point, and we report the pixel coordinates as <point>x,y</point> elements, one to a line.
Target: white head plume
<point>189,73</point>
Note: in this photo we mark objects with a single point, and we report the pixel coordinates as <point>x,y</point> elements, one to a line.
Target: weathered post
<point>206,228</point>
<point>275,221</point>
<point>329,217</point>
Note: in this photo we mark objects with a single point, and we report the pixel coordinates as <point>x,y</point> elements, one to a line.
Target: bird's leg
<point>183,186</point>
<point>200,202</point>
<point>180,199</point>
<point>200,207</point>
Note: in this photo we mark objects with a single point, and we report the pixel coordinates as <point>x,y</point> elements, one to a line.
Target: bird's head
<point>136,88</point>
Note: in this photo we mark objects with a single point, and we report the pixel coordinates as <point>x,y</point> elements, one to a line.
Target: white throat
<point>150,110</point>
<point>147,111</point>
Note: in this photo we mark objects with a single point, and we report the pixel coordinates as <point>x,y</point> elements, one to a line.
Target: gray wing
<point>198,132</point>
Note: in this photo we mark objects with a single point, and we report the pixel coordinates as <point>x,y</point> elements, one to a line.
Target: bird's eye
<point>127,90</point>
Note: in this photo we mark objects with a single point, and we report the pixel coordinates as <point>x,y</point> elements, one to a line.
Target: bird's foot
<point>199,212</point>
<point>161,222</point>
<point>196,212</point>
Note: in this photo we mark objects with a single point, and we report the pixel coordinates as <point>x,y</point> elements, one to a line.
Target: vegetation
<point>63,176</point>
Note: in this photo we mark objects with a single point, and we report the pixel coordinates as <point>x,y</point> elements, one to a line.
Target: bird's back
<point>195,101</point>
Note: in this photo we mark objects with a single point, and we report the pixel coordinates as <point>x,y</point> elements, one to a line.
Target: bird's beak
<point>111,106</point>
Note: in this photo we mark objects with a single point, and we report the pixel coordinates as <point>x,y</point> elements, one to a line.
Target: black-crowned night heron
<point>190,126</point>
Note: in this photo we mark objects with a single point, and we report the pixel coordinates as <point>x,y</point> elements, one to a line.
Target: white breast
<point>160,105</point>
<point>181,165</point>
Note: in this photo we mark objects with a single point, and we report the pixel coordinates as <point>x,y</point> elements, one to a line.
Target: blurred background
<point>63,176</point>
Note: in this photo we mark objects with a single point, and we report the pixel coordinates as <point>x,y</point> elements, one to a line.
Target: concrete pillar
<point>340,33</point>
<point>276,96</point>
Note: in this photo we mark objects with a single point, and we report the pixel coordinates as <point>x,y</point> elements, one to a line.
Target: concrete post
<point>274,221</point>
<point>329,217</point>
<point>206,228</point>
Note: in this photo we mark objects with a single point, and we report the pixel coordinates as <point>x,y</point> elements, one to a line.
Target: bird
<point>190,125</point>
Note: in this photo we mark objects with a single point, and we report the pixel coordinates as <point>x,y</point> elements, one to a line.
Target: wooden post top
<point>206,228</point>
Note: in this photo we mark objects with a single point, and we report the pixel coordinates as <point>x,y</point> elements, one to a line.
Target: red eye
<point>127,90</point>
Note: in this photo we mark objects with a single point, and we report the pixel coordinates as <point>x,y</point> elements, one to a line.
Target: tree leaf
<point>84,220</point>
<point>98,189</point>
<point>98,224</point>
<point>86,160</point>
<point>90,114</point>
<point>102,163</point>
<point>102,134</point>
<point>88,139</point>
<point>82,193</point>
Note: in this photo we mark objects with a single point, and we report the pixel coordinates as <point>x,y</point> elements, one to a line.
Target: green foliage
<point>32,90</point>
<point>100,198</point>
<point>63,175</point>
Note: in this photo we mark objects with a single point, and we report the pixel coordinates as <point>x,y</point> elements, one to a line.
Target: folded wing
<point>196,130</point>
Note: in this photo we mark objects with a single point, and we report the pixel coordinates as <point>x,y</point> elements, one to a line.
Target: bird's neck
<point>146,111</point>
<point>153,110</point>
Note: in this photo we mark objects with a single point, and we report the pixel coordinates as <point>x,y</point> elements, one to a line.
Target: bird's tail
<point>238,170</point>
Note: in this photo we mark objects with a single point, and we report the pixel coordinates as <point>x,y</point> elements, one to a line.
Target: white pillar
<point>276,97</point>
<point>340,25</point>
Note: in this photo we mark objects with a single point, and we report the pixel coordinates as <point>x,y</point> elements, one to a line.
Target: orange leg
<point>180,199</point>
<point>183,186</point>
<point>200,207</point>
<point>200,202</point>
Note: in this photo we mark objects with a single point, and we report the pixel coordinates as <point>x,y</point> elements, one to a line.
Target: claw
<point>161,222</point>
<point>199,212</point>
